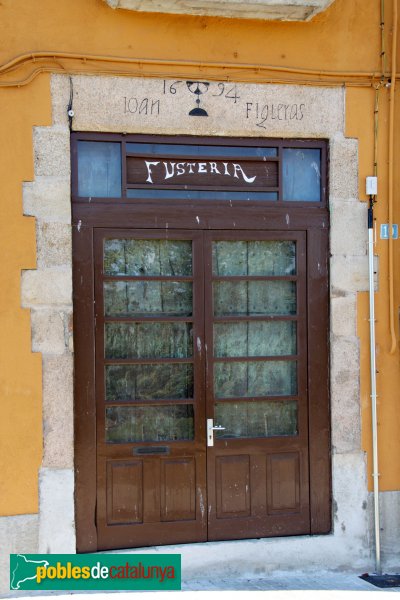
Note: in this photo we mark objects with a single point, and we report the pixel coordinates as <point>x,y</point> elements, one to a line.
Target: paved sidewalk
<point>279,586</point>
<point>289,581</point>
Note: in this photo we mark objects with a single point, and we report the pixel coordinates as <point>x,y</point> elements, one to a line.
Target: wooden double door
<point>201,385</point>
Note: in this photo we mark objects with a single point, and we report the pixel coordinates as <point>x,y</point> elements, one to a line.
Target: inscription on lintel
<point>211,95</point>
<point>171,107</point>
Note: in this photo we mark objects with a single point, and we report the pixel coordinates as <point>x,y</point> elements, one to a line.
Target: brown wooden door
<point>256,340</point>
<point>191,326</point>
<point>151,469</point>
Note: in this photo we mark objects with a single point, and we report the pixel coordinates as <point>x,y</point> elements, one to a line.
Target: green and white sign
<point>95,571</point>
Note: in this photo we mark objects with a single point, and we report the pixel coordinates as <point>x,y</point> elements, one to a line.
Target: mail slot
<point>152,450</point>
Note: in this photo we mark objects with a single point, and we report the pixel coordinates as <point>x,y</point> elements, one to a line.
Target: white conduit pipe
<point>375,470</point>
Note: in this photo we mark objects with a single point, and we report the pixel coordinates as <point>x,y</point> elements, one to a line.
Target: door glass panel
<point>141,298</point>
<point>246,379</point>
<point>229,258</point>
<point>149,382</point>
<point>256,419</point>
<point>125,424</point>
<point>255,338</point>
<point>148,340</point>
<point>147,257</point>
<point>268,258</point>
<point>254,298</point>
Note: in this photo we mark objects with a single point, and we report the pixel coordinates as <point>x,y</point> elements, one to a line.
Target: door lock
<point>210,431</point>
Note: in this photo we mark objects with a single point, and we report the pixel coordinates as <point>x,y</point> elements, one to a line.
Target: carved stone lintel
<point>278,10</point>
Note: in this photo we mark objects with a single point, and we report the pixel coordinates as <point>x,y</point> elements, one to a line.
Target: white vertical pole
<point>375,473</point>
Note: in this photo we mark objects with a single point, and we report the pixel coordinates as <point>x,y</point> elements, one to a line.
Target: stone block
<point>58,401</point>
<point>349,231</point>
<point>390,530</point>
<point>56,517</point>
<point>350,501</point>
<point>349,274</point>
<point>149,106</point>
<point>48,199</point>
<point>18,534</point>
<point>343,177</point>
<point>54,245</point>
<point>280,10</point>
<point>47,287</point>
<point>345,394</point>
<point>346,418</point>
<point>51,146</point>
<point>49,331</point>
<point>345,359</point>
<point>60,94</point>
<point>344,315</point>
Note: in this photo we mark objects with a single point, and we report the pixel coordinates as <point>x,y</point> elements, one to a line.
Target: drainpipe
<point>390,180</point>
<point>375,473</point>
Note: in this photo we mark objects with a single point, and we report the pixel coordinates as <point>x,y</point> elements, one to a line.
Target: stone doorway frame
<point>47,292</point>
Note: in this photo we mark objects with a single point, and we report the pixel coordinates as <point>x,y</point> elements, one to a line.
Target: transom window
<point>279,171</point>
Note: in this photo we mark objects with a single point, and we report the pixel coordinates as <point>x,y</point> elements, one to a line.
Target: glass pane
<point>148,340</point>
<point>99,169</point>
<point>246,379</point>
<point>230,258</point>
<point>125,424</point>
<point>174,149</point>
<point>147,257</point>
<point>140,298</point>
<point>200,194</point>
<point>255,338</point>
<point>256,419</point>
<point>148,382</point>
<point>272,258</point>
<point>254,298</point>
<point>302,174</point>
<point>266,258</point>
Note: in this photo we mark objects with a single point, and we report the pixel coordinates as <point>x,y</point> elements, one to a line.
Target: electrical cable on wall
<point>70,110</point>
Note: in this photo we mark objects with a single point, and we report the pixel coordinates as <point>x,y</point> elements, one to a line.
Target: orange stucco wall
<point>344,38</point>
<point>20,370</point>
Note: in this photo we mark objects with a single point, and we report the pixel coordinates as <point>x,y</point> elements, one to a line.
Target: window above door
<point>277,10</point>
<point>130,168</point>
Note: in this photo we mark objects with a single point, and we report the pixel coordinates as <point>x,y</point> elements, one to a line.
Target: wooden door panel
<point>151,490</point>
<point>168,487</point>
<point>260,520</point>
<point>259,527</point>
<point>283,483</point>
<point>178,489</point>
<point>233,486</point>
<point>124,491</point>
<point>275,501</point>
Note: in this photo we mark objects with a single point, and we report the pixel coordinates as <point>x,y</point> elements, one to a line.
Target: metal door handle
<point>210,431</point>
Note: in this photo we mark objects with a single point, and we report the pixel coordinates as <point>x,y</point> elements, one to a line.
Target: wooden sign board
<point>189,173</point>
